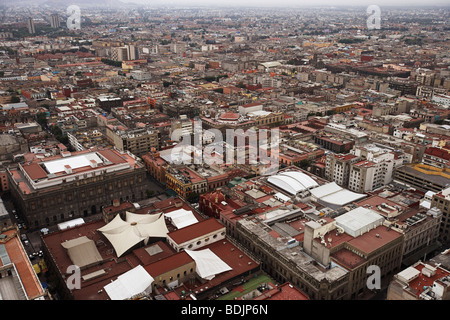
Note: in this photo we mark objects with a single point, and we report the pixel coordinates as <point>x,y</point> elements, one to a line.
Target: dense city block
<point>184,152</point>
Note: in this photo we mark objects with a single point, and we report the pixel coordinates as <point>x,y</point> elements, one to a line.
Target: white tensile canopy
<point>293,181</point>
<point>82,251</point>
<point>130,283</point>
<point>182,218</point>
<point>125,234</point>
<point>208,264</point>
<point>333,194</point>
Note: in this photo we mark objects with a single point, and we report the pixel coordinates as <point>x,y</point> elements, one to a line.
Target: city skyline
<point>224,152</point>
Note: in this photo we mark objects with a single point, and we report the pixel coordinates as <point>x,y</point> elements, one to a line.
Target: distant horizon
<point>293,3</point>
<point>251,3</point>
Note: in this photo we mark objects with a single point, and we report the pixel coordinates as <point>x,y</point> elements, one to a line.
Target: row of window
<point>206,240</point>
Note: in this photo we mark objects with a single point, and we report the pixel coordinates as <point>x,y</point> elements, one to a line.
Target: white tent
<point>125,234</point>
<point>293,182</point>
<point>332,194</point>
<point>208,264</point>
<point>359,221</point>
<point>82,251</point>
<point>130,283</point>
<point>181,218</point>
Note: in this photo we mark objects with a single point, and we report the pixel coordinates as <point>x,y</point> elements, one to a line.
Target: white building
<point>374,170</point>
<point>140,75</point>
<point>441,99</point>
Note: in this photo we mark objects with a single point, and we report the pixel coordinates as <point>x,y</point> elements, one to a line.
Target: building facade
<point>441,200</point>
<point>77,185</point>
<point>137,141</point>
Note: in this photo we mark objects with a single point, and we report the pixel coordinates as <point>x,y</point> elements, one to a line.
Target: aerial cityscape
<point>241,151</point>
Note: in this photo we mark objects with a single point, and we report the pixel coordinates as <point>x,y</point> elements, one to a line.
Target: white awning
<point>82,251</point>
<point>333,194</point>
<point>208,264</point>
<point>130,283</point>
<point>125,234</point>
<point>281,197</point>
<point>70,223</point>
<point>182,218</point>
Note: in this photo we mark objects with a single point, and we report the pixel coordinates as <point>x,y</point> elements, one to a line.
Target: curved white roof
<point>293,181</point>
<point>302,178</point>
<point>332,193</point>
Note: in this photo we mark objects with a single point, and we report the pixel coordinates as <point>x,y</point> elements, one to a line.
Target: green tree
<point>41,118</point>
<point>193,197</point>
<point>15,99</point>
<point>305,163</point>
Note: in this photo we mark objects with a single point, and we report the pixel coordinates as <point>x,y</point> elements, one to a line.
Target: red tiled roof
<point>369,241</point>
<point>229,116</point>
<point>169,263</point>
<point>347,259</point>
<point>421,281</point>
<point>195,230</point>
<point>145,258</point>
<point>35,171</point>
<point>27,275</point>
<point>285,291</point>
<point>112,156</point>
<point>254,104</point>
<point>437,152</point>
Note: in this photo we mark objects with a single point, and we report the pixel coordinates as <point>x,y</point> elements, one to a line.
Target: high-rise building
<point>132,53</point>
<point>119,53</point>
<point>54,21</point>
<point>30,25</point>
<point>128,52</point>
<point>138,141</point>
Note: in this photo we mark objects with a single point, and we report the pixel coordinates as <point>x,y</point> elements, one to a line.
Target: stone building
<point>68,186</point>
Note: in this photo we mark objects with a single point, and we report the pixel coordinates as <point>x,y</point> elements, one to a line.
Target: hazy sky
<point>299,2</point>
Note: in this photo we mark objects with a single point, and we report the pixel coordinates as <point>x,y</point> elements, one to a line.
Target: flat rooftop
<point>374,239</point>
<point>291,254</point>
<point>43,173</point>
